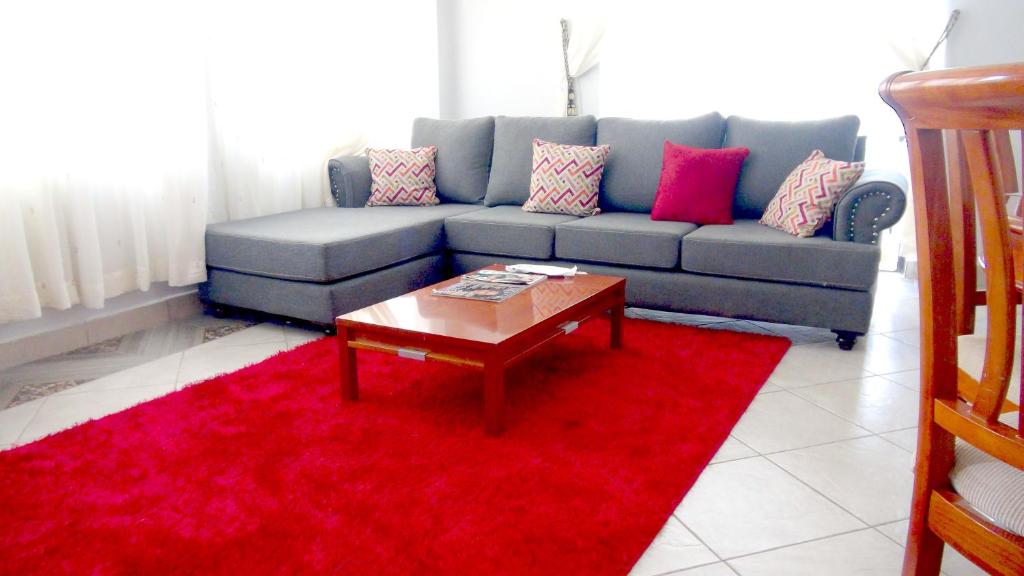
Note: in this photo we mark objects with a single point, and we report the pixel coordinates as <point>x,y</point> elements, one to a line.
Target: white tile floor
<point>815,478</point>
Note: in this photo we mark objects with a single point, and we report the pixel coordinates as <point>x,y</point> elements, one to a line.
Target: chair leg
<point>923,556</point>
<point>846,339</point>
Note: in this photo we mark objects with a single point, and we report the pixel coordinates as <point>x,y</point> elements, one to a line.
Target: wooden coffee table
<point>486,336</point>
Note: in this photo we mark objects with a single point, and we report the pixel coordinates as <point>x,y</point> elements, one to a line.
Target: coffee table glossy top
<point>477,321</point>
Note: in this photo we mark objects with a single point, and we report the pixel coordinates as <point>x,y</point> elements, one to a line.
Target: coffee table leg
<point>347,367</point>
<point>617,312</point>
<point>494,397</point>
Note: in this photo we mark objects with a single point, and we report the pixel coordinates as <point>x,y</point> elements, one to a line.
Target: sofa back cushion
<point>634,164</point>
<point>513,151</point>
<point>776,148</point>
<point>463,161</point>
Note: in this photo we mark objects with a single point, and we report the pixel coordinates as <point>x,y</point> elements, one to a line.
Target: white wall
<point>505,57</point>
<point>790,59</point>
<point>988,32</point>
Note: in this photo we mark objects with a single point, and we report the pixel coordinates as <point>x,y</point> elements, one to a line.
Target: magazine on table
<point>503,277</point>
<point>476,290</point>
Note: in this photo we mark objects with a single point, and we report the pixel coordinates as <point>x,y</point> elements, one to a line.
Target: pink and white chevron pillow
<point>402,177</point>
<point>566,179</point>
<point>804,202</point>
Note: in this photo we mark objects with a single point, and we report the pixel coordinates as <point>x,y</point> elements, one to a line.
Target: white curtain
<point>584,51</point>
<point>126,126</point>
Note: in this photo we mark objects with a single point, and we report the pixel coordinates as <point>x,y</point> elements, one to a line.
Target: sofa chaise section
<point>328,244</point>
<point>312,264</point>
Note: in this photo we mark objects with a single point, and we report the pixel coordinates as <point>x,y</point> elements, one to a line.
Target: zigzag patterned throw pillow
<point>804,202</point>
<point>402,177</point>
<point>566,179</point>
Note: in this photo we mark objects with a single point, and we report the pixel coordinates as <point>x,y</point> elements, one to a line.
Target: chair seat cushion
<point>749,249</point>
<point>627,238</point>
<point>328,244</point>
<point>505,231</point>
<point>991,486</point>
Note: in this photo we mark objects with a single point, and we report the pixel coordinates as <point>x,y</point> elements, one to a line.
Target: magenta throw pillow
<point>697,185</point>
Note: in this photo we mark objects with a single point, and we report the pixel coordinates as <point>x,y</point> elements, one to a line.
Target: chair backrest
<point>957,123</point>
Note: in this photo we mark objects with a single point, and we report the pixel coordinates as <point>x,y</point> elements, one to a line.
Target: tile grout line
<point>802,542</point>
<point>841,417</point>
<point>799,397</point>
<point>699,539</point>
<point>35,415</point>
<point>819,493</point>
<point>881,435</point>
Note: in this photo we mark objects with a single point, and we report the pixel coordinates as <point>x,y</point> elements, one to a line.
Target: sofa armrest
<point>875,202</point>
<point>350,180</point>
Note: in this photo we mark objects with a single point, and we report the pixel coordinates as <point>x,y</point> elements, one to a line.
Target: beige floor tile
<point>911,337</point>
<point>906,439</point>
<point>874,403</point>
<point>674,548</point>
<point>868,477</point>
<point>782,421</point>
<point>60,412</point>
<point>732,449</point>
<point>816,363</point>
<point>863,553</point>
<point>751,505</point>
<point>265,333</point>
<point>909,378</point>
<point>163,371</point>
<point>295,336</point>
<point>14,420</point>
<point>889,315</point>
<point>769,386</point>
<point>883,355</point>
<point>202,362</point>
<point>718,569</point>
<point>953,563</point>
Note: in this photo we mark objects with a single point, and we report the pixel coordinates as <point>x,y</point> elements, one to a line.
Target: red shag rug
<point>264,471</point>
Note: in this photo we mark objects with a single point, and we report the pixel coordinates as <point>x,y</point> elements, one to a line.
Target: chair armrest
<point>875,202</point>
<point>350,180</point>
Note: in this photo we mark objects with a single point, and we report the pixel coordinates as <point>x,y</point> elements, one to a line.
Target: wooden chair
<point>963,231</point>
<point>969,475</point>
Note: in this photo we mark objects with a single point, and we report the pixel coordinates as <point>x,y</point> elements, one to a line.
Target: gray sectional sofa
<point>316,264</point>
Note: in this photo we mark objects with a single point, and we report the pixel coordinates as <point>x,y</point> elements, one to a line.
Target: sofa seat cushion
<point>627,238</point>
<point>751,250</point>
<point>505,231</point>
<point>328,244</point>
<point>990,486</point>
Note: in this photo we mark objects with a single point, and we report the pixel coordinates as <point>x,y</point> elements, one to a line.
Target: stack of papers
<point>554,271</point>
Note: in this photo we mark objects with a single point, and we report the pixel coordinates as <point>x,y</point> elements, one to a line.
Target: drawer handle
<point>569,326</point>
<point>413,354</point>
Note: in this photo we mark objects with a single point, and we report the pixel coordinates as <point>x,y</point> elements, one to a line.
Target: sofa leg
<point>846,339</point>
